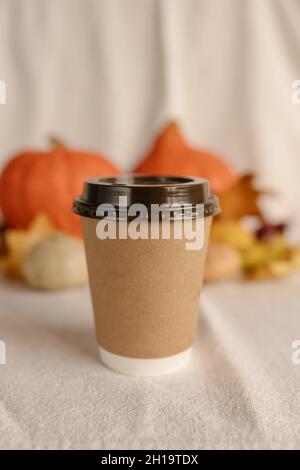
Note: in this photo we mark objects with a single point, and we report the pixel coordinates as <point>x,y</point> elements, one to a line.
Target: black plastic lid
<point>147,190</point>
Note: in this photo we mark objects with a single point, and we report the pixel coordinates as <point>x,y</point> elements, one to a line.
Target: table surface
<point>241,389</point>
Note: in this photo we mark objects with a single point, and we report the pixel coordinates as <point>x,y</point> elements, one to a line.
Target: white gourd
<point>222,262</point>
<point>57,262</point>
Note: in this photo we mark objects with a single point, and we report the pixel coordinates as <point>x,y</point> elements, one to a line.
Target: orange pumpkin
<point>171,155</point>
<point>47,182</point>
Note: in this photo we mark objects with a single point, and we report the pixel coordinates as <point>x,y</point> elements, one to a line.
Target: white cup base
<point>144,367</point>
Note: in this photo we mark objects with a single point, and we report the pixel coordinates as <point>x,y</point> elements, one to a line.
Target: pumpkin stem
<point>56,143</point>
<point>172,124</point>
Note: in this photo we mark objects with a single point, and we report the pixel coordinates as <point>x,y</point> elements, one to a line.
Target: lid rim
<point>172,191</point>
<point>178,181</point>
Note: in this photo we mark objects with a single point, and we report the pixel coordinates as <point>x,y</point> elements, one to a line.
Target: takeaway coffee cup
<point>146,241</point>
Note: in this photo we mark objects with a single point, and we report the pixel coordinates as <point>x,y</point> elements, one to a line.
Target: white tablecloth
<point>106,75</point>
<point>241,389</point>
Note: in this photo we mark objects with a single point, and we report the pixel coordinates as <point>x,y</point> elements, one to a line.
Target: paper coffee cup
<point>145,273</point>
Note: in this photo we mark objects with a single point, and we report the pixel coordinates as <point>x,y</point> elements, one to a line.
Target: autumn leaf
<point>241,200</point>
<point>19,242</point>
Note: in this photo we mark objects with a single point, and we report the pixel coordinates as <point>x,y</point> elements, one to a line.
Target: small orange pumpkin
<point>171,155</point>
<point>47,182</point>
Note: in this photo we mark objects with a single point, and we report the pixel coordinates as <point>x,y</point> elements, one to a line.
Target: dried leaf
<point>232,233</point>
<point>19,242</point>
<point>241,199</point>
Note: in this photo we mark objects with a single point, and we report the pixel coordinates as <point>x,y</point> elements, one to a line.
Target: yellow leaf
<point>19,242</point>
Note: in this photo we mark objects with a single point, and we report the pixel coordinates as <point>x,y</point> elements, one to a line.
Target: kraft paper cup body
<point>145,294</point>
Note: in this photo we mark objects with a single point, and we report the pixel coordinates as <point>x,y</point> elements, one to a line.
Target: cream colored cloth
<point>106,74</point>
<point>241,389</point>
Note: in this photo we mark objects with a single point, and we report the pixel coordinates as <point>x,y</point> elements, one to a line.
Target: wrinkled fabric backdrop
<point>106,74</point>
